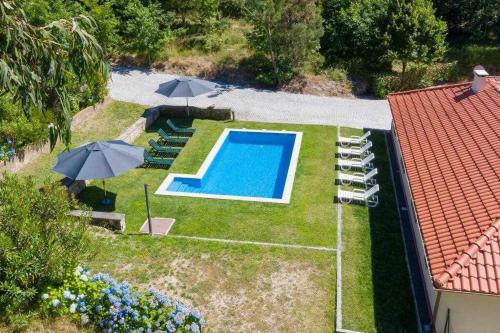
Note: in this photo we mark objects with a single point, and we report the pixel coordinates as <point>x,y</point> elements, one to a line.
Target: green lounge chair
<point>179,130</point>
<point>158,162</point>
<point>171,139</point>
<point>162,149</point>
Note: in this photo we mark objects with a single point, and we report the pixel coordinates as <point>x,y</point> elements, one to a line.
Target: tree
<point>477,20</point>
<point>142,29</point>
<point>39,242</point>
<point>354,32</point>
<point>286,32</point>
<point>182,8</point>
<point>39,63</point>
<point>414,34</point>
<point>106,31</point>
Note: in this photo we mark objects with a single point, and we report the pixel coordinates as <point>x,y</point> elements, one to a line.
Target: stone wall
<point>195,112</point>
<point>142,124</point>
<point>88,113</point>
<point>33,152</point>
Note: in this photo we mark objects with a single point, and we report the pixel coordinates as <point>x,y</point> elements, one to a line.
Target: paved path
<point>231,241</point>
<point>138,86</point>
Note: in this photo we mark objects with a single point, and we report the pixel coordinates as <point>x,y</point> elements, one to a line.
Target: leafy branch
<point>38,64</point>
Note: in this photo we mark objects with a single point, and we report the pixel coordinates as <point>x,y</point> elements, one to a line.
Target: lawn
<point>308,220</point>
<point>106,125</point>
<point>240,287</point>
<point>377,295</point>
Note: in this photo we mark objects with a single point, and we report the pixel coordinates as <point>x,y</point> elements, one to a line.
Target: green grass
<point>309,219</point>
<point>239,288</point>
<point>244,288</point>
<point>377,295</point>
<point>106,125</point>
<point>234,47</point>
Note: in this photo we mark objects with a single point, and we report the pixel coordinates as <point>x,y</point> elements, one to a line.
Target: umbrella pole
<point>105,201</point>
<point>187,106</point>
<point>148,209</point>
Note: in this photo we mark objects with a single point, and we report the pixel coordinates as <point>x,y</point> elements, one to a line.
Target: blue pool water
<point>251,164</point>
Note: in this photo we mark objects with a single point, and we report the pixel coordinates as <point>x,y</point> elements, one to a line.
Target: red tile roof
<point>450,142</point>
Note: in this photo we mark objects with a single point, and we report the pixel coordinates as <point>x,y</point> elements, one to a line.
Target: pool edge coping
<point>287,189</point>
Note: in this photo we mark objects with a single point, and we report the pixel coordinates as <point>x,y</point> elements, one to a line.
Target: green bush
<point>385,84</point>
<point>39,243</point>
<point>472,55</point>
<point>337,74</point>
<point>14,126</point>
<point>100,302</point>
<point>417,76</point>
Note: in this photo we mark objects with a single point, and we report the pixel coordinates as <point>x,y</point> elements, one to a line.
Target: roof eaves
<point>467,255</point>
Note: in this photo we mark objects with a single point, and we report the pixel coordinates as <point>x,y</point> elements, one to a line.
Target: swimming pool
<point>252,165</point>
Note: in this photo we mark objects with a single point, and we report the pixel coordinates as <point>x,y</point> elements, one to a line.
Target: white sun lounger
<point>358,177</point>
<point>354,140</point>
<point>359,163</point>
<point>368,197</point>
<point>354,151</point>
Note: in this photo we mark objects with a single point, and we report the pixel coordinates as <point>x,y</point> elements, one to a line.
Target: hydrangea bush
<point>7,150</point>
<point>100,301</point>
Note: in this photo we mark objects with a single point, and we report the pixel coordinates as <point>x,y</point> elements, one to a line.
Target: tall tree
<point>286,32</point>
<point>354,32</point>
<point>142,29</point>
<point>477,20</point>
<point>38,63</point>
<point>414,34</point>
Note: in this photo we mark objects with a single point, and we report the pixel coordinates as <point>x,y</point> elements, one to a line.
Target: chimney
<point>479,79</point>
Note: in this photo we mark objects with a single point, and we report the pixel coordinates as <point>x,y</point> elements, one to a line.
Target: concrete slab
<point>161,226</point>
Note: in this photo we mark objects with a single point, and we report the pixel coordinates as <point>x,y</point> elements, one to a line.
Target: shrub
<point>39,242</point>
<point>15,127</point>
<point>111,307</point>
<point>337,74</point>
<point>472,55</point>
<point>416,77</point>
<point>384,84</point>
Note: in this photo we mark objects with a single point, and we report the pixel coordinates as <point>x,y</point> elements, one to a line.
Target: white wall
<point>469,313</point>
<point>431,294</point>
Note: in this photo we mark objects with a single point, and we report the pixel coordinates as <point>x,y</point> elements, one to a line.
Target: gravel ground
<point>139,86</point>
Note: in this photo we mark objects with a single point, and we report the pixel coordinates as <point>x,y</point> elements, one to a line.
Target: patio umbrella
<point>185,87</point>
<point>99,160</point>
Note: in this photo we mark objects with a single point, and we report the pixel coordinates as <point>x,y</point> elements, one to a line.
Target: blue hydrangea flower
<point>55,303</point>
<point>195,328</point>
<point>170,326</point>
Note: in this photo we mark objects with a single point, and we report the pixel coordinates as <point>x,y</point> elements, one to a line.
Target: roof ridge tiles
<point>493,79</point>
<point>406,92</point>
<point>467,255</point>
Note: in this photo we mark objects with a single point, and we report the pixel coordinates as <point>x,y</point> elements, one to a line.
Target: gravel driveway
<point>138,86</point>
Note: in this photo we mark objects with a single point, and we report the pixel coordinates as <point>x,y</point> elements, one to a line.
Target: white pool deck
<point>287,191</point>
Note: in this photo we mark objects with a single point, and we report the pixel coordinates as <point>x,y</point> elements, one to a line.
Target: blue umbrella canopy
<point>99,160</point>
<point>185,87</point>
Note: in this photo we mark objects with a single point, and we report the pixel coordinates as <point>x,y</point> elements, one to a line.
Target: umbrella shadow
<point>161,122</point>
<point>93,195</point>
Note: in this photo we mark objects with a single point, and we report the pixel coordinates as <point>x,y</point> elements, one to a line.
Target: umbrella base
<point>106,201</point>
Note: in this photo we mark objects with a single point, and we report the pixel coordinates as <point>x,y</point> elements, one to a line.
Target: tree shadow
<point>393,299</point>
<point>92,196</point>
